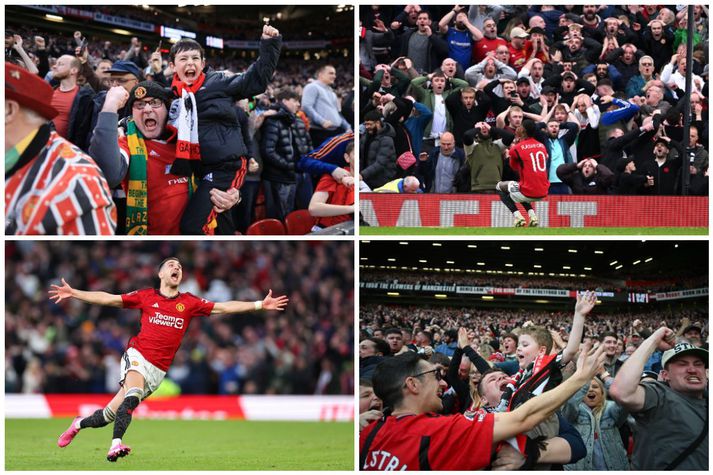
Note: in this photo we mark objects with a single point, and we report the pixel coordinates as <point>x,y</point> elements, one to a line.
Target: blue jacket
<point>447,350</point>
<point>416,125</point>
<point>613,417</point>
<point>327,157</point>
<point>565,141</point>
<point>626,111</point>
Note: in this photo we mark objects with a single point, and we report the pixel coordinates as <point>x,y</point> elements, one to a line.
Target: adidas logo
<point>155,305</point>
<point>208,177</point>
<point>154,153</point>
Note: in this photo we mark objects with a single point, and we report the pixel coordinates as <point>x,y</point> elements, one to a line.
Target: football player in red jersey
<point>528,157</point>
<point>165,316</point>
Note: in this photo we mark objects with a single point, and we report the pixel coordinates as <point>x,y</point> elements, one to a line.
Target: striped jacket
<point>58,190</point>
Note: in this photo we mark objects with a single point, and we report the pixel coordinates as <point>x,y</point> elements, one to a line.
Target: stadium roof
<point>610,258</point>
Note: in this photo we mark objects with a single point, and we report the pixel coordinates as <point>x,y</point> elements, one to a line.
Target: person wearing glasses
<point>412,436</point>
<point>140,161</point>
<point>635,85</point>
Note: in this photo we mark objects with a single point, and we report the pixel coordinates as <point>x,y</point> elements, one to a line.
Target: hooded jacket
<point>378,156</point>
<point>277,150</point>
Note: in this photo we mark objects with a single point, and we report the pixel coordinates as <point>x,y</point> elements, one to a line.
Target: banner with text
<point>464,210</point>
<point>254,408</point>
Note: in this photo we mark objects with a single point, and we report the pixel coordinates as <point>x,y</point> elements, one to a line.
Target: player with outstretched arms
<point>165,316</point>
<point>528,157</point>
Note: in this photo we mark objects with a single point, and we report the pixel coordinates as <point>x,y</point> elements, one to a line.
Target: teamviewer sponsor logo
<point>167,321</point>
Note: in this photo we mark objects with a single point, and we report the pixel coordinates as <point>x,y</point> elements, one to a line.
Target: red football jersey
<point>164,321</point>
<point>167,193</point>
<point>338,195</point>
<point>529,159</point>
<point>482,47</point>
<point>430,442</point>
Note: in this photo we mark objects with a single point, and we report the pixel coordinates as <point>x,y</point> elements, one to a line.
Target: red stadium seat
<point>299,222</point>
<point>266,227</point>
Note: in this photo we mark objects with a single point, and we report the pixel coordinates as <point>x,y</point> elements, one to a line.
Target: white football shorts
<point>132,360</point>
<point>517,196</point>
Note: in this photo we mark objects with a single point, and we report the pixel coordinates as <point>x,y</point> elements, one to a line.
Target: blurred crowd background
<point>76,348</point>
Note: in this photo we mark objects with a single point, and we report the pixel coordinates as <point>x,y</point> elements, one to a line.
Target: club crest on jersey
<point>180,307</point>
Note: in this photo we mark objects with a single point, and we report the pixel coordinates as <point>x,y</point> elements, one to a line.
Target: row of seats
<point>298,222</point>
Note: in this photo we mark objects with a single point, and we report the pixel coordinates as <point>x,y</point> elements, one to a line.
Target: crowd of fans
<point>487,323</point>
<point>279,117</point>
<point>445,90</point>
<point>76,347</point>
<point>496,367</point>
<point>534,281</point>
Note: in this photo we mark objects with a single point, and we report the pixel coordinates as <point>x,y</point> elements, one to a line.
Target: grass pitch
<point>31,444</point>
<point>460,231</point>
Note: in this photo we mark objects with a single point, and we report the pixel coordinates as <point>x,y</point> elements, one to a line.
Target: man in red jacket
<point>529,159</point>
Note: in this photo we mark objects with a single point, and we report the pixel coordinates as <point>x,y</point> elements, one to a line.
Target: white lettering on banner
<point>438,288</point>
<point>681,294</point>
<point>466,289</point>
<point>377,458</point>
<point>543,292</point>
<point>367,211</point>
<point>410,215</point>
<point>335,412</point>
<point>577,211</point>
<point>483,290</point>
<point>638,298</point>
<point>167,321</point>
<point>599,294</point>
<point>451,208</point>
<point>121,21</point>
<point>500,215</point>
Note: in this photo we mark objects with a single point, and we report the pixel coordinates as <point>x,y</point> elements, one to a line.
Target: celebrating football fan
<point>616,96</point>
<point>214,116</point>
<point>457,334</point>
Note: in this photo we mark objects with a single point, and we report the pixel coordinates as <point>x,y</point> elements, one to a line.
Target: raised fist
<point>253,166</point>
<point>39,42</point>
<point>17,41</point>
<point>269,32</point>
<point>117,96</point>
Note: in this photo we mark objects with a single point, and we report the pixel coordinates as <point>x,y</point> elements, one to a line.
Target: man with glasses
<point>140,162</point>
<point>412,436</point>
<point>635,86</point>
<point>125,74</point>
<point>122,73</point>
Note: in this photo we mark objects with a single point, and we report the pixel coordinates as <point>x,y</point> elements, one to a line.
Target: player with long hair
<point>165,316</point>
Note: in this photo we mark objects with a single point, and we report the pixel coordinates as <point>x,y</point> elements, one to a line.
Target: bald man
<point>410,184</point>
<point>438,169</point>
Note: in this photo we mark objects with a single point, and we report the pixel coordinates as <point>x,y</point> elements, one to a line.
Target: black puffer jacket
<point>300,138</point>
<point>377,156</point>
<point>277,149</point>
<point>218,128</point>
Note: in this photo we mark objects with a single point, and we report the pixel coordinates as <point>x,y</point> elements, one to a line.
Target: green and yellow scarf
<point>137,222</point>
